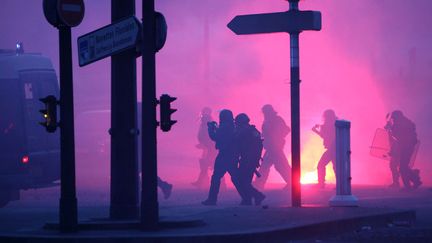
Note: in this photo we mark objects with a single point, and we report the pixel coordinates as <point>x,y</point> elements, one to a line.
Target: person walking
<point>249,146</point>
<point>227,157</point>
<point>208,149</point>
<point>403,140</point>
<point>327,132</point>
<point>274,131</point>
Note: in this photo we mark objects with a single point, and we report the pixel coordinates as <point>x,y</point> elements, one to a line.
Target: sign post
<point>119,40</point>
<point>124,132</point>
<point>64,14</point>
<point>149,200</point>
<point>293,22</point>
<point>115,39</point>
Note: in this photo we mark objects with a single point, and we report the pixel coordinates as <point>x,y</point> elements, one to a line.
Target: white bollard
<point>343,197</point>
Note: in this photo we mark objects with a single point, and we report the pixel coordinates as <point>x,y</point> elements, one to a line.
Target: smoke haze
<point>371,57</point>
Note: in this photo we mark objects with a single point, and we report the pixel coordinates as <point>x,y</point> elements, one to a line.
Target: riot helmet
<point>242,119</point>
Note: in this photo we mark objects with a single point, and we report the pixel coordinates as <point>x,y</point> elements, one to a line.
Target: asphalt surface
<point>383,215</point>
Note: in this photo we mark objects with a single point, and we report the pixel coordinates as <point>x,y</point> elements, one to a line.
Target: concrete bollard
<point>343,197</point>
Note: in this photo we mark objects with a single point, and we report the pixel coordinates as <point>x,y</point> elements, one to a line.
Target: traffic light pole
<point>124,166</point>
<point>295,113</point>
<point>149,200</point>
<point>68,201</point>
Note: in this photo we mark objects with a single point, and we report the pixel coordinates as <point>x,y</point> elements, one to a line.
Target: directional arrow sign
<point>108,40</point>
<point>290,21</point>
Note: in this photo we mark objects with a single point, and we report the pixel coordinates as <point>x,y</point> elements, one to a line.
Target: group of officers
<point>235,146</point>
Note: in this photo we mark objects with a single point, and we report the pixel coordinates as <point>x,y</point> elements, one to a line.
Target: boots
<point>202,182</point>
<point>416,180</point>
<point>394,185</point>
<point>166,189</point>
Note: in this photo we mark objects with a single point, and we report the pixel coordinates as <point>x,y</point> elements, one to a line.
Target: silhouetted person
<point>226,159</point>
<point>208,149</point>
<point>274,131</point>
<point>394,161</point>
<point>328,133</point>
<point>403,141</point>
<point>249,147</point>
<point>165,187</point>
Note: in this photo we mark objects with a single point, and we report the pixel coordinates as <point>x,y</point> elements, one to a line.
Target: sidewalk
<point>225,223</point>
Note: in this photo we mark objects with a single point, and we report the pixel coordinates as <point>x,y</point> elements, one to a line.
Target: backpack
<point>255,145</point>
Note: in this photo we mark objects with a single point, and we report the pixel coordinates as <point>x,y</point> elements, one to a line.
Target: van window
<point>36,85</point>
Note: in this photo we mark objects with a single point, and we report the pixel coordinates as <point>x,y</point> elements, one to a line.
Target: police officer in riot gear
<point>249,147</point>
<point>227,158</point>
<point>208,149</point>
<point>274,131</point>
<point>328,133</point>
<point>403,140</point>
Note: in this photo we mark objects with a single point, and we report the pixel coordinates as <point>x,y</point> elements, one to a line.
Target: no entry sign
<point>64,12</point>
<point>70,12</point>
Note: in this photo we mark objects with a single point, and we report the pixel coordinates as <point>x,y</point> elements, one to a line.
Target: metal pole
<point>149,200</point>
<point>124,166</point>
<point>68,201</point>
<point>295,113</point>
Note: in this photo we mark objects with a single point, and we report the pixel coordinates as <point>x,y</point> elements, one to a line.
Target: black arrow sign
<point>289,21</point>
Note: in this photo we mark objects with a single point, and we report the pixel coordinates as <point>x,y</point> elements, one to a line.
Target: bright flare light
<point>309,178</point>
<point>311,154</point>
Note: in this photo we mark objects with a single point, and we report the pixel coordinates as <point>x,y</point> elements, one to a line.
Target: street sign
<point>289,21</point>
<point>64,12</point>
<point>108,40</point>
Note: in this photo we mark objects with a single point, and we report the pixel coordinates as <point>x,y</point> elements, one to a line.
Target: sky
<point>371,57</point>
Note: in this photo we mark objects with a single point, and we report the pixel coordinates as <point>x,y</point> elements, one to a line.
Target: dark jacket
<point>404,133</point>
<point>224,137</point>
<point>249,144</point>
<point>274,131</point>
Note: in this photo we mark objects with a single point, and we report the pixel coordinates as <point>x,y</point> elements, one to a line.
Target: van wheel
<point>5,197</point>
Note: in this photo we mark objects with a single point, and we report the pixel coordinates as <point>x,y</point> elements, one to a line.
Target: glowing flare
<point>309,178</point>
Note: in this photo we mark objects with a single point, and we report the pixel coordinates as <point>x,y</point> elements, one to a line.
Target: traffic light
<point>49,113</point>
<point>165,112</point>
